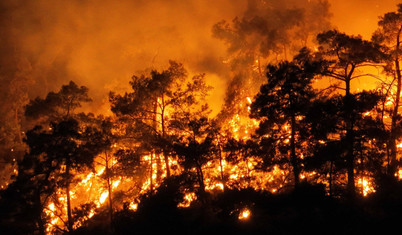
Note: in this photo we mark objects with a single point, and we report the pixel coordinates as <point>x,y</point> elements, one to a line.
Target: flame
<point>244,214</point>
<point>366,185</point>
<point>115,184</point>
<point>103,197</point>
<point>188,198</point>
<point>211,187</point>
<point>368,113</point>
<point>133,206</point>
<point>50,211</point>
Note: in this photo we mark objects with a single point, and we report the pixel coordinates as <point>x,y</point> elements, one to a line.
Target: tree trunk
<point>350,166</point>
<point>109,188</point>
<point>293,157</point>
<point>221,166</point>
<point>151,181</point>
<point>69,216</point>
<point>361,172</point>
<point>201,179</point>
<point>163,136</point>
<point>153,154</point>
<point>393,164</point>
<point>351,186</point>
<point>41,224</point>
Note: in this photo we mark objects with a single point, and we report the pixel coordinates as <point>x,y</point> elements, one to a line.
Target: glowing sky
<point>101,44</point>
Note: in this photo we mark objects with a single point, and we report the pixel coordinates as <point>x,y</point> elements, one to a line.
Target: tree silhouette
<point>65,149</point>
<point>58,105</point>
<point>238,151</point>
<point>388,34</point>
<point>345,55</point>
<point>196,148</point>
<point>330,143</point>
<point>102,138</point>
<point>24,200</point>
<point>63,146</point>
<point>281,106</point>
<point>168,94</point>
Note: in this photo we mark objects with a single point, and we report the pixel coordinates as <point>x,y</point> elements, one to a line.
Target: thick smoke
<point>267,32</point>
<point>101,44</point>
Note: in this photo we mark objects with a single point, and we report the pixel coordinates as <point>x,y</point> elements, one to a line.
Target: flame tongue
<point>244,214</point>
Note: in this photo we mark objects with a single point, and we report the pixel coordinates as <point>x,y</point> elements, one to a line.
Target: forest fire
<point>268,120</point>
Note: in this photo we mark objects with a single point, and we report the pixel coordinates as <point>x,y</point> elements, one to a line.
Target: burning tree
<point>196,149</point>
<point>58,149</point>
<point>388,35</point>
<point>344,55</point>
<point>152,111</point>
<point>62,152</point>
<point>264,34</point>
<point>330,144</point>
<point>281,107</point>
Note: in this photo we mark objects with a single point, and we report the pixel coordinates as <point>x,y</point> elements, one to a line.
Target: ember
<point>244,214</point>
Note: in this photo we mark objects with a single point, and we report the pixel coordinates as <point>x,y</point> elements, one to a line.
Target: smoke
<point>101,44</point>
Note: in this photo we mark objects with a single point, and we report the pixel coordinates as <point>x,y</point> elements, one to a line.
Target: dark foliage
<point>304,210</point>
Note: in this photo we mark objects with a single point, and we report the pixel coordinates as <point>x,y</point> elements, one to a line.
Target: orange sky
<point>101,44</point>
<point>360,16</point>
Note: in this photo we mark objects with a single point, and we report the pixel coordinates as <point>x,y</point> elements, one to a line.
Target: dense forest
<point>297,147</point>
